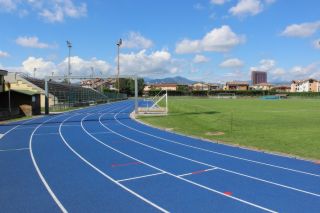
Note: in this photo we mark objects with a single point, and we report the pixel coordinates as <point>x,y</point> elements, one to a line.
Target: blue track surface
<point>99,160</point>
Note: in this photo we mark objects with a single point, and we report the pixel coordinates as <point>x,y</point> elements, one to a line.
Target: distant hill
<point>171,80</point>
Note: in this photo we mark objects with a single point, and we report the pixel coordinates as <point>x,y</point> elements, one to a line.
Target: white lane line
<point>107,176</point>
<point>54,197</point>
<point>49,133</point>
<point>100,133</point>
<point>18,125</point>
<point>173,175</point>
<point>197,172</point>
<point>10,150</point>
<point>210,165</point>
<point>1,135</point>
<point>139,177</point>
<point>219,153</point>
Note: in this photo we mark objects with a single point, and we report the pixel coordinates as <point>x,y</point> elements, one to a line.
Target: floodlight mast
<point>119,43</point>
<point>69,64</point>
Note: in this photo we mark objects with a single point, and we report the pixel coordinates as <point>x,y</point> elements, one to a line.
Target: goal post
<point>63,77</point>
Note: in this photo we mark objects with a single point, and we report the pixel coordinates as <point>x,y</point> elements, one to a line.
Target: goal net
<point>157,105</point>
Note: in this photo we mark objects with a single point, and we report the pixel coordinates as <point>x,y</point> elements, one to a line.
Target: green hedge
<point>236,92</point>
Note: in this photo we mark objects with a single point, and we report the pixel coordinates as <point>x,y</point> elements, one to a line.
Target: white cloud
<point>61,9</point>
<point>8,5</point>
<point>316,44</point>
<point>247,7</point>
<point>301,30</point>
<point>32,42</point>
<point>49,10</point>
<point>200,59</point>
<point>219,2</point>
<point>217,40</point>
<point>264,65</point>
<point>79,66</point>
<point>136,41</point>
<point>232,63</point>
<point>144,64</point>
<point>198,6</point>
<point>3,54</point>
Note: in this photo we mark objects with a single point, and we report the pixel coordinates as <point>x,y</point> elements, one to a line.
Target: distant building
<point>237,85</point>
<point>2,74</point>
<point>169,87</point>
<point>308,85</point>
<point>262,86</point>
<point>282,88</point>
<point>200,87</point>
<point>258,77</point>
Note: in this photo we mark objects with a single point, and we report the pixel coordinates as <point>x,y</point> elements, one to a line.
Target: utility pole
<point>119,43</point>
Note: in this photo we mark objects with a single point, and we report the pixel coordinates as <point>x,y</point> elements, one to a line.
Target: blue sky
<point>205,40</point>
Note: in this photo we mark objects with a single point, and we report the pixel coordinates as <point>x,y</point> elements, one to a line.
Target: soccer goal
<point>157,105</point>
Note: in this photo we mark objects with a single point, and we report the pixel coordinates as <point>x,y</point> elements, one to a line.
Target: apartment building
<point>307,85</point>
<point>237,85</point>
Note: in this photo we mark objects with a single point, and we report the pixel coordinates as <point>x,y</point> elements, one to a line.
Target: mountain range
<point>170,80</point>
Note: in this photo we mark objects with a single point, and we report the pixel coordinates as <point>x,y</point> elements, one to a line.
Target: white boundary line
<point>218,153</point>
<point>107,176</point>
<point>195,172</point>
<point>54,197</point>
<point>173,175</point>
<point>11,150</point>
<point>139,177</point>
<point>210,165</point>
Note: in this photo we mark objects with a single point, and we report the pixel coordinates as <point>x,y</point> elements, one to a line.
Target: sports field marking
<point>210,165</point>
<point>18,125</point>
<point>173,175</point>
<point>197,172</point>
<point>100,133</point>
<point>107,176</point>
<point>126,164</point>
<point>54,197</point>
<point>218,153</point>
<point>1,135</point>
<point>49,133</point>
<point>143,176</point>
<point>11,150</point>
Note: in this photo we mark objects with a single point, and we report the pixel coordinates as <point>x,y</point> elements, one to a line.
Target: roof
<point>164,85</point>
<point>3,72</point>
<point>244,83</point>
<point>302,81</point>
<point>26,92</point>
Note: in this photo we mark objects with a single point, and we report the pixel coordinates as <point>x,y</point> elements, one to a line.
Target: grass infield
<point>287,126</point>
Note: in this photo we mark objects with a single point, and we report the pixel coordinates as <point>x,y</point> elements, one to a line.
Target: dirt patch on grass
<point>214,133</point>
<point>169,129</point>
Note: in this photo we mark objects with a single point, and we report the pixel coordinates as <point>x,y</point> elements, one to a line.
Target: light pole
<point>119,43</point>
<point>69,64</point>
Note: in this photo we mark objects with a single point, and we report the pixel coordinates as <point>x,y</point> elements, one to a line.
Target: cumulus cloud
<point>301,30</point>
<point>200,59</point>
<point>3,54</point>
<point>232,63</point>
<point>79,66</point>
<point>218,2</point>
<point>247,7</point>
<point>49,10</point>
<point>264,65</point>
<point>144,64</point>
<point>217,40</point>
<point>136,41</point>
<point>316,44</point>
<point>32,42</point>
<point>62,9</point>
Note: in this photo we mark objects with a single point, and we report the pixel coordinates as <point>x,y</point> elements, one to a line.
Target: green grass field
<point>287,126</point>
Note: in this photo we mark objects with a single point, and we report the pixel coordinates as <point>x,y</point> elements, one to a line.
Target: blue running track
<point>100,160</point>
